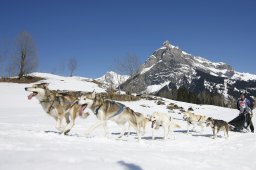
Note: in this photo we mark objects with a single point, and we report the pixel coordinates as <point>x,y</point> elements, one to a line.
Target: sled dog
<point>218,125</point>
<point>109,110</point>
<point>193,119</point>
<point>162,120</point>
<point>60,105</point>
<point>142,122</point>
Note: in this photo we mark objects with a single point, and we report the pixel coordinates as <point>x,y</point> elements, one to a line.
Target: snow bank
<point>69,83</point>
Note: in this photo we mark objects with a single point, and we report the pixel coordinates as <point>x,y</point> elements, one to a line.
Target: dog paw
<point>61,130</point>
<point>66,132</point>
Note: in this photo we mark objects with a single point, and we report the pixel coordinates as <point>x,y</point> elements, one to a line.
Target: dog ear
<point>45,85</point>
<point>209,119</point>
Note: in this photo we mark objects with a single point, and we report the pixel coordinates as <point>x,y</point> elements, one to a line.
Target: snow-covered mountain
<point>112,78</point>
<point>170,68</point>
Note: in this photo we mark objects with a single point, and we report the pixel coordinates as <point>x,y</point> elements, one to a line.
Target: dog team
<point>67,106</point>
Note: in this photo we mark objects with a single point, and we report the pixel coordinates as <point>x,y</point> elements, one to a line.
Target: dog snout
<point>26,88</point>
<point>152,119</point>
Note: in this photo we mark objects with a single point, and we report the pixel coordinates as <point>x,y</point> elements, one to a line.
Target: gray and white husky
<point>109,110</point>
<point>218,125</point>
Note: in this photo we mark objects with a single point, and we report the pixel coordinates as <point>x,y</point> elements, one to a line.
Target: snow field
<point>29,140</point>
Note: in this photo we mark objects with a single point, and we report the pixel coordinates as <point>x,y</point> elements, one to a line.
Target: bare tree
<point>25,60</point>
<point>72,65</point>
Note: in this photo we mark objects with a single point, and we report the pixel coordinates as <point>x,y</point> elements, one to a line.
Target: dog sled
<point>242,122</point>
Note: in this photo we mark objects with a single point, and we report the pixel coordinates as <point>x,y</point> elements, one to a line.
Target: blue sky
<point>96,32</point>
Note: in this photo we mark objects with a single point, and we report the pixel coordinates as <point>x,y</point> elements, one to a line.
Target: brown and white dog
<point>193,119</point>
<point>142,123</point>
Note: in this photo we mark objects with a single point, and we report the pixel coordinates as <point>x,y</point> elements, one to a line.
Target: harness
<point>199,118</point>
<point>121,109</point>
<point>189,120</point>
<point>97,110</point>
<point>59,100</point>
<point>69,104</point>
<point>51,105</point>
<point>72,104</point>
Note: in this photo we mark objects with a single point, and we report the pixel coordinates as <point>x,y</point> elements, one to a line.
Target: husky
<point>142,121</point>
<point>108,110</point>
<point>193,119</point>
<point>218,125</point>
<point>60,105</point>
<point>162,120</point>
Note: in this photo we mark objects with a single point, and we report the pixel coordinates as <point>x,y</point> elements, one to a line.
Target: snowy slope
<point>112,78</point>
<point>69,83</point>
<point>28,139</point>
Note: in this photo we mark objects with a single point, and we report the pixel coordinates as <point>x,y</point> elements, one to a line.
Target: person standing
<point>244,106</point>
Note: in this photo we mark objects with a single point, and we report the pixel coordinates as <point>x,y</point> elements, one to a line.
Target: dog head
<point>209,122</point>
<point>148,117</point>
<point>186,115</point>
<point>38,90</point>
<point>154,118</point>
<point>86,101</point>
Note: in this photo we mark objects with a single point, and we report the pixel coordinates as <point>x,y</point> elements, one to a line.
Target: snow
<point>113,78</point>
<point>244,76</point>
<point>225,92</point>
<point>70,83</point>
<point>210,66</point>
<point>167,44</point>
<point>146,69</point>
<point>28,139</point>
<point>214,71</point>
<point>185,53</point>
<point>155,88</point>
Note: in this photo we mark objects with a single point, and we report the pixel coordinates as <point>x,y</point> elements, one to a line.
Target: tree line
<point>204,97</point>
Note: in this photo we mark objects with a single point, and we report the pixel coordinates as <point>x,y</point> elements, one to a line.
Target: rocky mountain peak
<point>169,67</point>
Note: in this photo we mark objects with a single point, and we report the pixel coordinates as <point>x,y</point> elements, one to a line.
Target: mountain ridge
<point>171,68</point>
